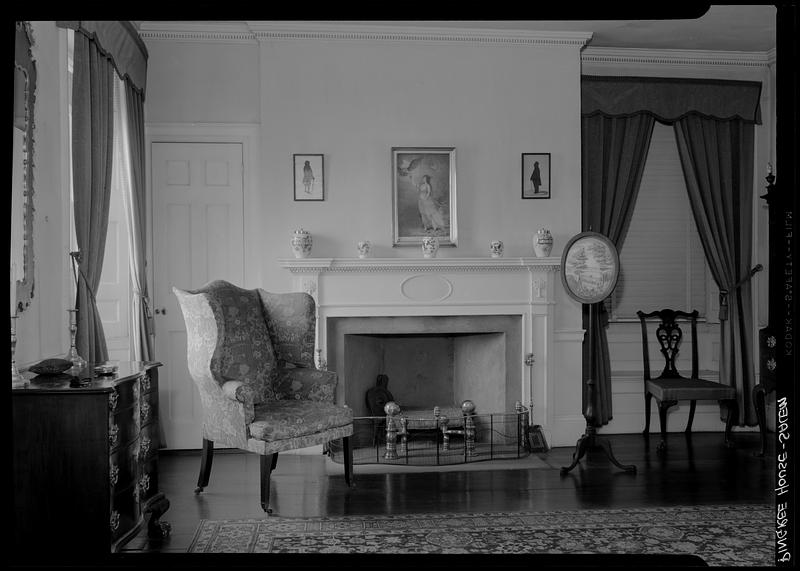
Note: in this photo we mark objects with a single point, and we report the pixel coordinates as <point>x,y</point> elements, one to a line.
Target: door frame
<point>246,134</point>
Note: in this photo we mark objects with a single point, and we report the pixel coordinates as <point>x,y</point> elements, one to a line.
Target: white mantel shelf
<point>320,265</point>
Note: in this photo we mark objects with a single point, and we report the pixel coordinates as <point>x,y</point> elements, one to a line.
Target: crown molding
<point>249,32</point>
<point>225,32</point>
<point>307,31</point>
<point>617,56</point>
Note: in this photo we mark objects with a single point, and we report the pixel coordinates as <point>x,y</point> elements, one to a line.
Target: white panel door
<point>198,236</point>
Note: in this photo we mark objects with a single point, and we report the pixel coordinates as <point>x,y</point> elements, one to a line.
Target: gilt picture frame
<point>424,195</point>
<point>535,175</point>
<point>309,177</point>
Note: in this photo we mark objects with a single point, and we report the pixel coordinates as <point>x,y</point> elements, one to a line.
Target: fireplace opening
<point>429,360</point>
<point>427,370</point>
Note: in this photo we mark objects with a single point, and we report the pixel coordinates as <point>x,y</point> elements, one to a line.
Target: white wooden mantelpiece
<point>381,287</point>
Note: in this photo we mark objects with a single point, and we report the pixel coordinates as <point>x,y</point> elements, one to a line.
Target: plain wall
<point>353,101</point>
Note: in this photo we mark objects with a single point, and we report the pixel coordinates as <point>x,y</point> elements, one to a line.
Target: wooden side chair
<point>670,386</point>
<point>250,352</point>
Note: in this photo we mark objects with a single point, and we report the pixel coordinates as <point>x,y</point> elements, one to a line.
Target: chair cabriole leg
<point>206,458</point>
<point>347,448</point>
<point>267,464</point>
<point>663,406</point>
<point>733,413</point>
<point>692,407</point>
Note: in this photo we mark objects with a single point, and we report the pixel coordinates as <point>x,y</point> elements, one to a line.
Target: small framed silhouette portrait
<point>309,177</point>
<point>535,175</point>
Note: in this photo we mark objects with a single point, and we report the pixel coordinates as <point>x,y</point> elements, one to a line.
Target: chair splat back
<point>669,335</point>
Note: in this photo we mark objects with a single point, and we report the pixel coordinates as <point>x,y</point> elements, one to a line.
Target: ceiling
<point>728,28</point>
<point>746,28</point>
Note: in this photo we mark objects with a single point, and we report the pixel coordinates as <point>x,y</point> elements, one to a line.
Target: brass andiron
<point>17,379</point>
<point>392,409</point>
<point>468,432</point>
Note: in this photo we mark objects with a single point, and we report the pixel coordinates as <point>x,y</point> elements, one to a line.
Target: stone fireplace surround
<point>512,303</point>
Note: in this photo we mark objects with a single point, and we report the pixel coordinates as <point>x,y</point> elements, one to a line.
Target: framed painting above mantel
<point>423,195</point>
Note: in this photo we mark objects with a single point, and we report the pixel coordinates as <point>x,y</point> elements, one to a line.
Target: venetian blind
<point>662,264</point>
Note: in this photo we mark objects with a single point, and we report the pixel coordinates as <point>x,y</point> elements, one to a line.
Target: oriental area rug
<point>720,535</point>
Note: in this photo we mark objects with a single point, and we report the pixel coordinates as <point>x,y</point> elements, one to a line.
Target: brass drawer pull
<point>144,483</point>
<point>145,411</point>
<point>144,447</point>
<point>113,397</point>
<point>113,435</point>
<point>114,520</point>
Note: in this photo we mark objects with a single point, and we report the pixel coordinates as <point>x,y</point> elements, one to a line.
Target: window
<point>662,263</point>
<point>113,293</point>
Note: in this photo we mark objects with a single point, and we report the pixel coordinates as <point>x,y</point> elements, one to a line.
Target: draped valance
<point>669,99</point>
<point>120,42</point>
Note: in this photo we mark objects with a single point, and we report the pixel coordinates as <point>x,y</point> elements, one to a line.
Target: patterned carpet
<point>728,535</point>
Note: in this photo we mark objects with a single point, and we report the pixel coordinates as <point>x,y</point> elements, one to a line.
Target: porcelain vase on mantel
<point>542,243</point>
<point>430,245</point>
<point>301,243</point>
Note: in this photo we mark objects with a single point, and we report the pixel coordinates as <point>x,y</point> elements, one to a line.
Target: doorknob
<point>162,311</point>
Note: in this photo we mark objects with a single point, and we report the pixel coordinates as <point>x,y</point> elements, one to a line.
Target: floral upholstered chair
<point>250,352</point>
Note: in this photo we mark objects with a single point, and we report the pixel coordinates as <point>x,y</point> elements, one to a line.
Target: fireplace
<point>491,330</point>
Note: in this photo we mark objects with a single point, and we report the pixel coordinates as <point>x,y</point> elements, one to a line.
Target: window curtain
<point>119,41</point>
<point>713,122</point>
<point>717,160</point>
<point>92,159</point>
<point>613,154</point>
<point>132,138</point>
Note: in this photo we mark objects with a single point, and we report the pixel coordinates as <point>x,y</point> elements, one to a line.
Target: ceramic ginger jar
<point>542,243</point>
<point>301,243</point>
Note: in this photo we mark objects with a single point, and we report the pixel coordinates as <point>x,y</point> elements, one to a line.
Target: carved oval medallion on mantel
<point>426,288</point>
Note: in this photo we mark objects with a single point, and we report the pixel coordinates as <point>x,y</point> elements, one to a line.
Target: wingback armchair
<point>250,352</point>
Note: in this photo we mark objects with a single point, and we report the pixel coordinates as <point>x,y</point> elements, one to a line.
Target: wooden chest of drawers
<point>86,461</point>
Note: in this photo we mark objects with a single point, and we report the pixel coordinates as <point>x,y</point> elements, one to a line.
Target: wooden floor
<point>703,472</point>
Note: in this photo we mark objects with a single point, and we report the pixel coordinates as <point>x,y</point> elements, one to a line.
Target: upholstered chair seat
<point>250,352</point>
